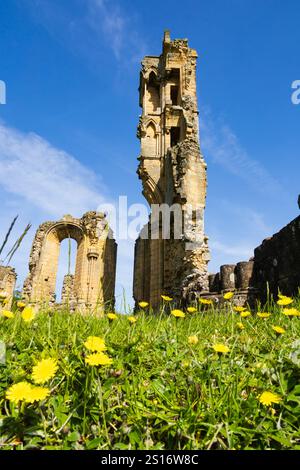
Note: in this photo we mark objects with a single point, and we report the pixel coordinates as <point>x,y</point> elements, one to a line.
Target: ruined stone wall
<point>93,283</point>
<point>275,267</point>
<point>173,172</point>
<point>8,279</point>
<point>277,261</point>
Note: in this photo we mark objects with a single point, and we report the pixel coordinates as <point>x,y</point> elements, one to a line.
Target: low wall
<point>274,267</point>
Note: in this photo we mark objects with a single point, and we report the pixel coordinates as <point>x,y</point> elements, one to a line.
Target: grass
<point>160,392</point>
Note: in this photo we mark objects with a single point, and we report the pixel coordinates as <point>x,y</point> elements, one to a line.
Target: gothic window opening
<point>174,95</point>
<point>153,93</point>
<point>175,135</point>
<point>66,269</point>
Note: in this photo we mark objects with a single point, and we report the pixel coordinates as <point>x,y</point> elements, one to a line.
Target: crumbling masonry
<point>8,278</point>
<point>92,286</point>
<point>173,171</point>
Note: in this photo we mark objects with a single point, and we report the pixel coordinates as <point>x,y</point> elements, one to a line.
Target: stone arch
<point>49,257</point>
<point>150,139</point>
<point>153,93</point>
<point>93,282</point>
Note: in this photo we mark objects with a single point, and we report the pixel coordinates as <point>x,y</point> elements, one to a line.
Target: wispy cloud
<point>221,145</point>
<point>88,26</point>
<point>107,18</point>
<point>240,252</point>
<point>44,176</point>
<point>41,182</point>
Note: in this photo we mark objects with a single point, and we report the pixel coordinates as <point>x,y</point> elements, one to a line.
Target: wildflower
<point>239,309</point>
<point>178,313</point>
<point>3,295</point>
<point>95,343</point>
<point>205,301</point>
<point>185,364</point>
<point>98,359</point>
<point>166,298</point>
<point>228,295</point>
<point>37,394</point>
<point>291,312</point>
<point>132,319</point>
<point>44,370</point>
<point>112,316</point>
<point>278,329</point>
<point>283,300</point>
<point>143,304</point>
<point>193,339</point>
<point>267,398</point>
<point>245,314</point>
<point>263,314</point>
<point>7,314</point>
<point>240,325</point>
<point>220,348</point>
<point>191,309</point>
<point>28,314</point>
<point>18,392</point>
<point>21,304</point>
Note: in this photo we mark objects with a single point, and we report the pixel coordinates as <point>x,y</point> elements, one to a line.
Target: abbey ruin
<point>93,283</point>
<point>171,252</point>
<point>173,172</point>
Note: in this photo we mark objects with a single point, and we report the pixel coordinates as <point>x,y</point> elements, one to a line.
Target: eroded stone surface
<point>93,283</point>
<point>173,171</point>
<point>8,279</point>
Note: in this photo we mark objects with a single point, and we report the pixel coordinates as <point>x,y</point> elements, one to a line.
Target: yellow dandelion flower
<point>37,394</point>
<point>132,319</point>
<point>205,301</point>
<point>239,309</point>
<point>245,314</point>
<point>220,348</point>
<point>291,312</point>
<point>166,298</point>
<point>193,339</point>
<point>21,304</point>
<point>228,295</point>
<point>28,314</point>
<point>191,309</point>
<point>278,329</point>
<point>7,314</point>
<point>185,364</point>
<point>143,304</point>
<point>268,398</point>
<point>98,359</point>
<point>44,370</point>
<point>178,313</point>
<point>18,392</point>
<point>95,343</point>
<point>263,314</point>
<point>283,300</point>
<point>240,325</point>
<point>112,316</point>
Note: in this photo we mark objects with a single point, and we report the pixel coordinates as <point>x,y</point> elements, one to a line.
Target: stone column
<point>227,277</point>
<point>244,272</point>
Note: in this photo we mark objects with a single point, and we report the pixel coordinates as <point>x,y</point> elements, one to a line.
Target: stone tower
<point>173,174</point>
<point>92,286</point>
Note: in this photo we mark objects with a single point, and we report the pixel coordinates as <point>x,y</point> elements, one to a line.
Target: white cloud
<point>40,182</point>
<point>240,252</point>
<point>108,19</point>
<point>44,176</point>
<point>220,145</point>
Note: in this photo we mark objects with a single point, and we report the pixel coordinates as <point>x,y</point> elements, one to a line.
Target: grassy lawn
<point>165,388</point>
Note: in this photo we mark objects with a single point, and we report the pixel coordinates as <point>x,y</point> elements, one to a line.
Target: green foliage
<point>160,392</point>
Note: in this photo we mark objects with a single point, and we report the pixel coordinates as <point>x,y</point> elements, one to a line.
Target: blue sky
<point>68,130</point>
